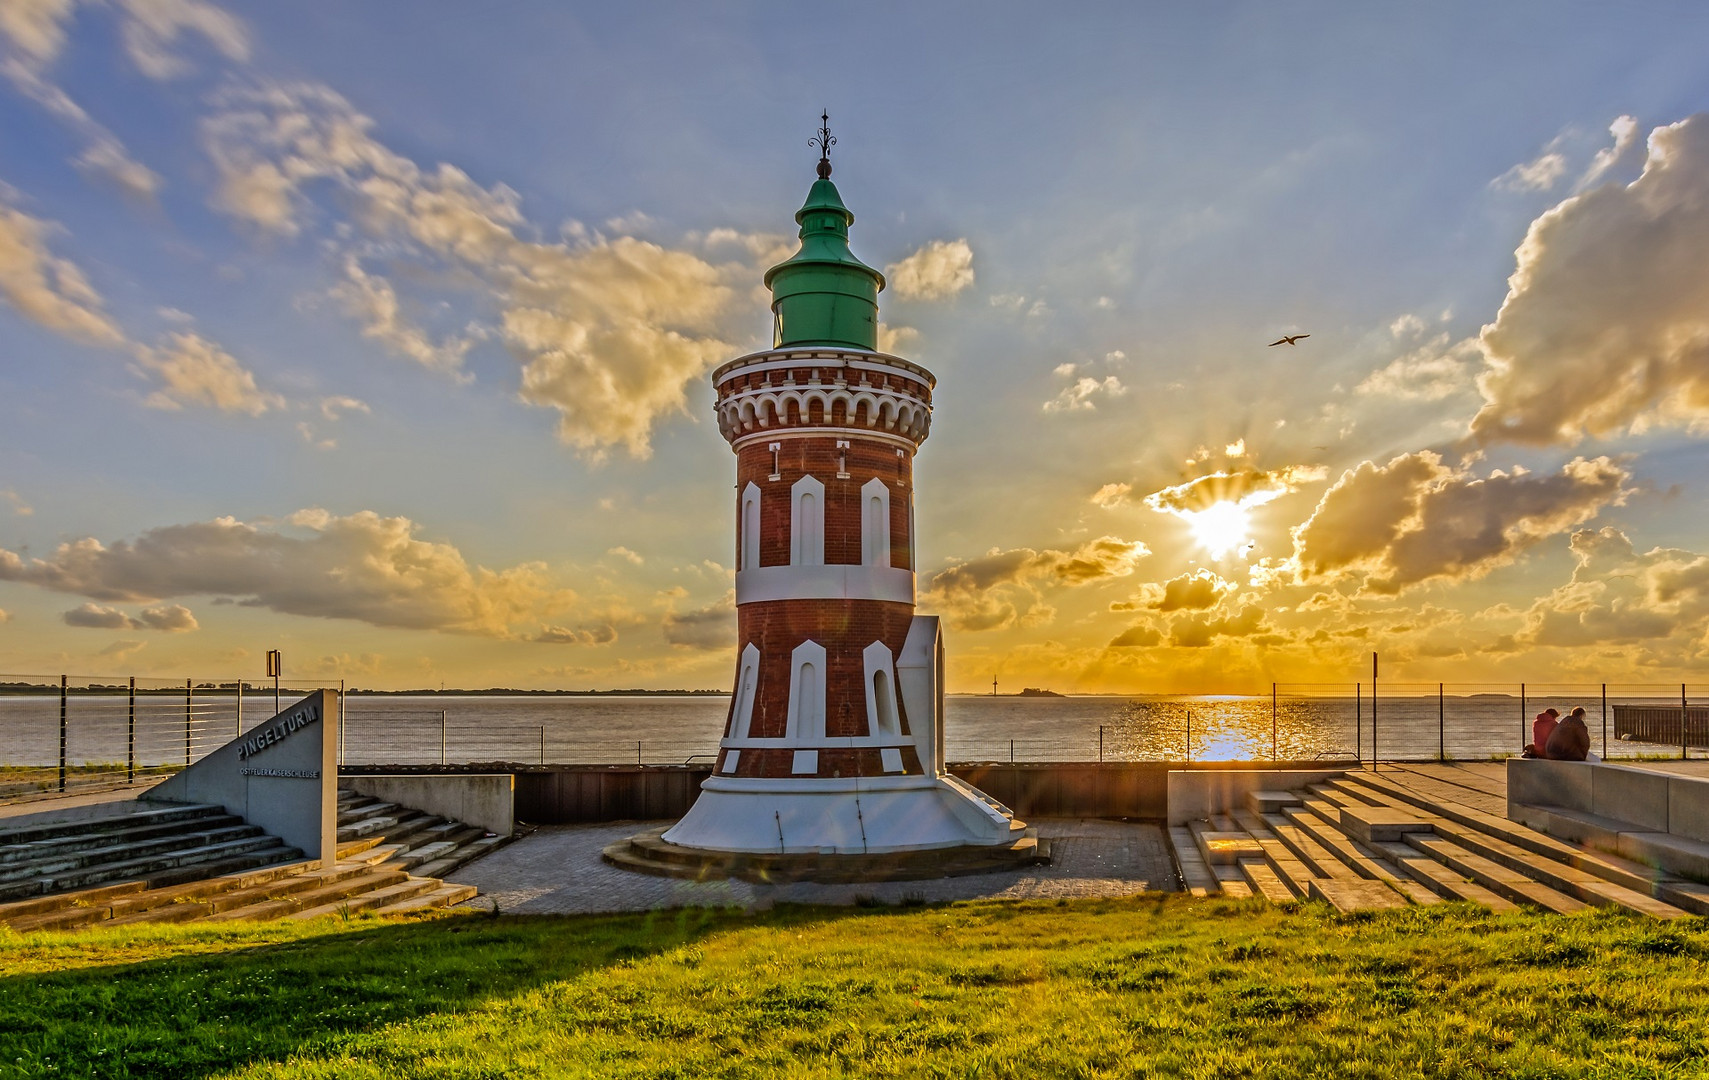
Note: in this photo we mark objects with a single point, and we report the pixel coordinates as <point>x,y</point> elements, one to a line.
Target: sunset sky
<point>379,333</point>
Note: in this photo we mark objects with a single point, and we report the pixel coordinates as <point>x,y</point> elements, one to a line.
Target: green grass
<point>1146,987</point>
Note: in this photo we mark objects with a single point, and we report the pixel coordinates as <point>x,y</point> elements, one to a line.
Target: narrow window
<point>875,523</point>
<point>750,541</point>
<point>807,692</point>
<point>775,448</point>
<point>881,714</point>
<point>742,722</point>
<point>807,523</point>
<point>886,704</point>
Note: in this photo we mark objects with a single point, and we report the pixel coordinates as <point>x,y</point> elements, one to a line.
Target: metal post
<point>637,750</point>
<point>1358,723</point>
<point>1373,711</point>
<point>62,692</point>
<point>1272,721</point>
<point>341,722</point>
<point>1605,721</point>
<point>1100,744</point>
<point>1441,725</point>
<point>130,737</point>
<point>442,726</point>
<point>189,691</point>
<point>1189,734</point>
<point>1524,717</point>
<point>1011,751</point>
<point>542,745</point>
<point>240,706</point>
<point>1682,753</point>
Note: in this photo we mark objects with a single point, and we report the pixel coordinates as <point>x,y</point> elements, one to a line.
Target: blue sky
<point>379,333</point>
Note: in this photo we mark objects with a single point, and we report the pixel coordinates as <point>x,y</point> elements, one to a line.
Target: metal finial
<point>824,141</point>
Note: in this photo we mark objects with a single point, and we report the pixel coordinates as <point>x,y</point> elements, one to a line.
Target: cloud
<point>621,552</point>
<point>1431,372</point>
<point>46,289</point>
<point>937,271</point>
<point>372,301</point>
<point>1111,496</point>
<point>1082,393</point>
<point>1539,174</point>
<point>1416,519</point>
<point>607,331</point>
<point>36,27</point>
<point>1136,637</point>
<point>1612,597</point>
<point>1194,591</point>
<point>603,634</point>
<point>171,618</point>
<point>1625,132</point>
<point>362,567</point>
<point>1197,632</point>
<point>153,27</point>
<point>16,502</point>
<point>710,627</point>
<point>1247,487</point>
<point>196,371</point>
<point>1003,588</point>
<point>1606,322</point>
<point>103,154</point>
<point>334,407</point>
<point>4,617</point>
<point>894,339</point>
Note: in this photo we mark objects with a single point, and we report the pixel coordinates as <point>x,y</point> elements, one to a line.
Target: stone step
<point>357,847</point>
<point>1231,882</point>
<point>1493,876</point>
<point>353,814</point>
<point>415,856</point>
<point>182,911</point>
<point>371,826</point>
<point>25,834</point>
<point>646,853</point>
<point>1222,847</point>
<point>86,906</point>
<point>474,849</point>
<point>1557,866</point>
<point>1314,856</point>
<point>446,895</point>
<point>99,838</point>
<point>1362,860</point>
<point>407,889</point>
<point>1262,879</point>
<point>1447,883</point>
<point>366,881</point>
<point>1294,874</point>
<point>146,868</point>
<point>56,863</point>
<point>204,888</point>
<point>1196,876</point>
<point>39,905</point>
<point>1271,802</point>
<point>1356,894</point>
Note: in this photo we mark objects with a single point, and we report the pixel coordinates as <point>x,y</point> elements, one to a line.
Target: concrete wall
<point>484,799</point>
<point>1646,798</point>
<point>1200,794</point>
<point>281,775</point>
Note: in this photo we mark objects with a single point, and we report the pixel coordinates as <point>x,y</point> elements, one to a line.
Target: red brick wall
<point>818,457</point>
<point>845,628</point>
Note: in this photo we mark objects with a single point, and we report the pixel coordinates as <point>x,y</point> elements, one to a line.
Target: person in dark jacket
<point>1570,741</point>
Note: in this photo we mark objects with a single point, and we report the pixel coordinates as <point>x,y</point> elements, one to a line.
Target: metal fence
<point>68,734</point>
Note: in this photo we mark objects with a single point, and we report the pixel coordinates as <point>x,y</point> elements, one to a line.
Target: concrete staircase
<point>648,853</point>
<point>186,863</point>
<point>1363,842</point>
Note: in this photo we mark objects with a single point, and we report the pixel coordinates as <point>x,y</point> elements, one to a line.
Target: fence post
<point>341,722</point>
<point>442,725</point>
<point>1682,743</point>
<point>240,706</point>
<point>1100,744</point>
<point>1011,751</point>
<point>130,737</point>
<point>637,750</point>
<point>1524,717</point>
<point>62,690</point>
<point>1189,734</point>
<point>1605,721</point>
<point>1441,725</point>
<point>1272,721</point>
<point>542,745</point>
<point>189,691</point>
<point>1358,723</point>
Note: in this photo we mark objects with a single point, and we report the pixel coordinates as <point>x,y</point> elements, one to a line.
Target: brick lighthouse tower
<point>833,750</point>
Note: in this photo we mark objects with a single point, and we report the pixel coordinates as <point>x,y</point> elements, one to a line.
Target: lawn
<point>1149,987</point>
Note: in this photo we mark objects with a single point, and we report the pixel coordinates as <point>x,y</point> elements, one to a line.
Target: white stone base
<point>843,816</point>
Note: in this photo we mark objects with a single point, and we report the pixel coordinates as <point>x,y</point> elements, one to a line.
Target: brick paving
<point>557,870</point>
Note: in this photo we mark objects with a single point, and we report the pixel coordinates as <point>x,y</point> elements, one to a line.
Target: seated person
<point>1570,741</point>
<point>1541,729</point>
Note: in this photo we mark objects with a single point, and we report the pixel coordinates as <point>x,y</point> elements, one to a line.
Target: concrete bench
<point>1653,817</point>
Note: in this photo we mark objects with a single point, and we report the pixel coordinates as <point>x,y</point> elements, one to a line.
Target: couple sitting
<point>1557,739</point>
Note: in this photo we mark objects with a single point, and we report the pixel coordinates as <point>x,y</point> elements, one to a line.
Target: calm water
<point>409,729</point>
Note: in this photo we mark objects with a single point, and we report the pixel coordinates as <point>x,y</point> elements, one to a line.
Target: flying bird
<point>1289,340</point>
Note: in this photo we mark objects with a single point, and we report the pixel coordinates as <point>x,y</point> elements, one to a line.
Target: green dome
<point>823,295</point>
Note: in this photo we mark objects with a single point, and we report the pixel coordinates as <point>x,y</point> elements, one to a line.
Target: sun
<point>1221,527</point>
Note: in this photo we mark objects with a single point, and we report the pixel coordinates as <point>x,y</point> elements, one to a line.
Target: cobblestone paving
<point>557,870</point>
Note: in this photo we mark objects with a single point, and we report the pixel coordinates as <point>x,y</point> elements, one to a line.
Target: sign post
<point>274,665</point>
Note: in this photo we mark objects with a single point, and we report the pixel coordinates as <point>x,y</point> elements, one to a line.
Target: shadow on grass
<point>215,1004</point>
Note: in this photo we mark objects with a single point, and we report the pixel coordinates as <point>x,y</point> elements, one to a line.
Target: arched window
<point>747,682</point>
<point>881,715</point>
<point>807,523</point>
<point>807,692</point>
<point>875,523</point>
<point>750,539</point>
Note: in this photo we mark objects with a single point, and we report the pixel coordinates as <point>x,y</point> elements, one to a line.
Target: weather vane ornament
<point>824,141</point>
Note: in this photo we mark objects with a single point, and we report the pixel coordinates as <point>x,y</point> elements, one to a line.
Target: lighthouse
<point>832,754</point>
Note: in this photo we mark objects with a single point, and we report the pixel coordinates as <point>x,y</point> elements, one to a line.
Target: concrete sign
<point>281,775</point>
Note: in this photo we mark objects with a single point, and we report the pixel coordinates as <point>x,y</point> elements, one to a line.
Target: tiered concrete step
<point>423,844</point>
<point>648,853</point>
<point>151,847</point>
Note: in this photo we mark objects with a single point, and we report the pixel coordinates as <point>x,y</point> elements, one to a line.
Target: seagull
<point>1289,340</point>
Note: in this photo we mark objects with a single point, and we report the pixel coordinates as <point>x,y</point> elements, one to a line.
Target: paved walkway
<point>1482,785</point>
<point>557,870</point>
